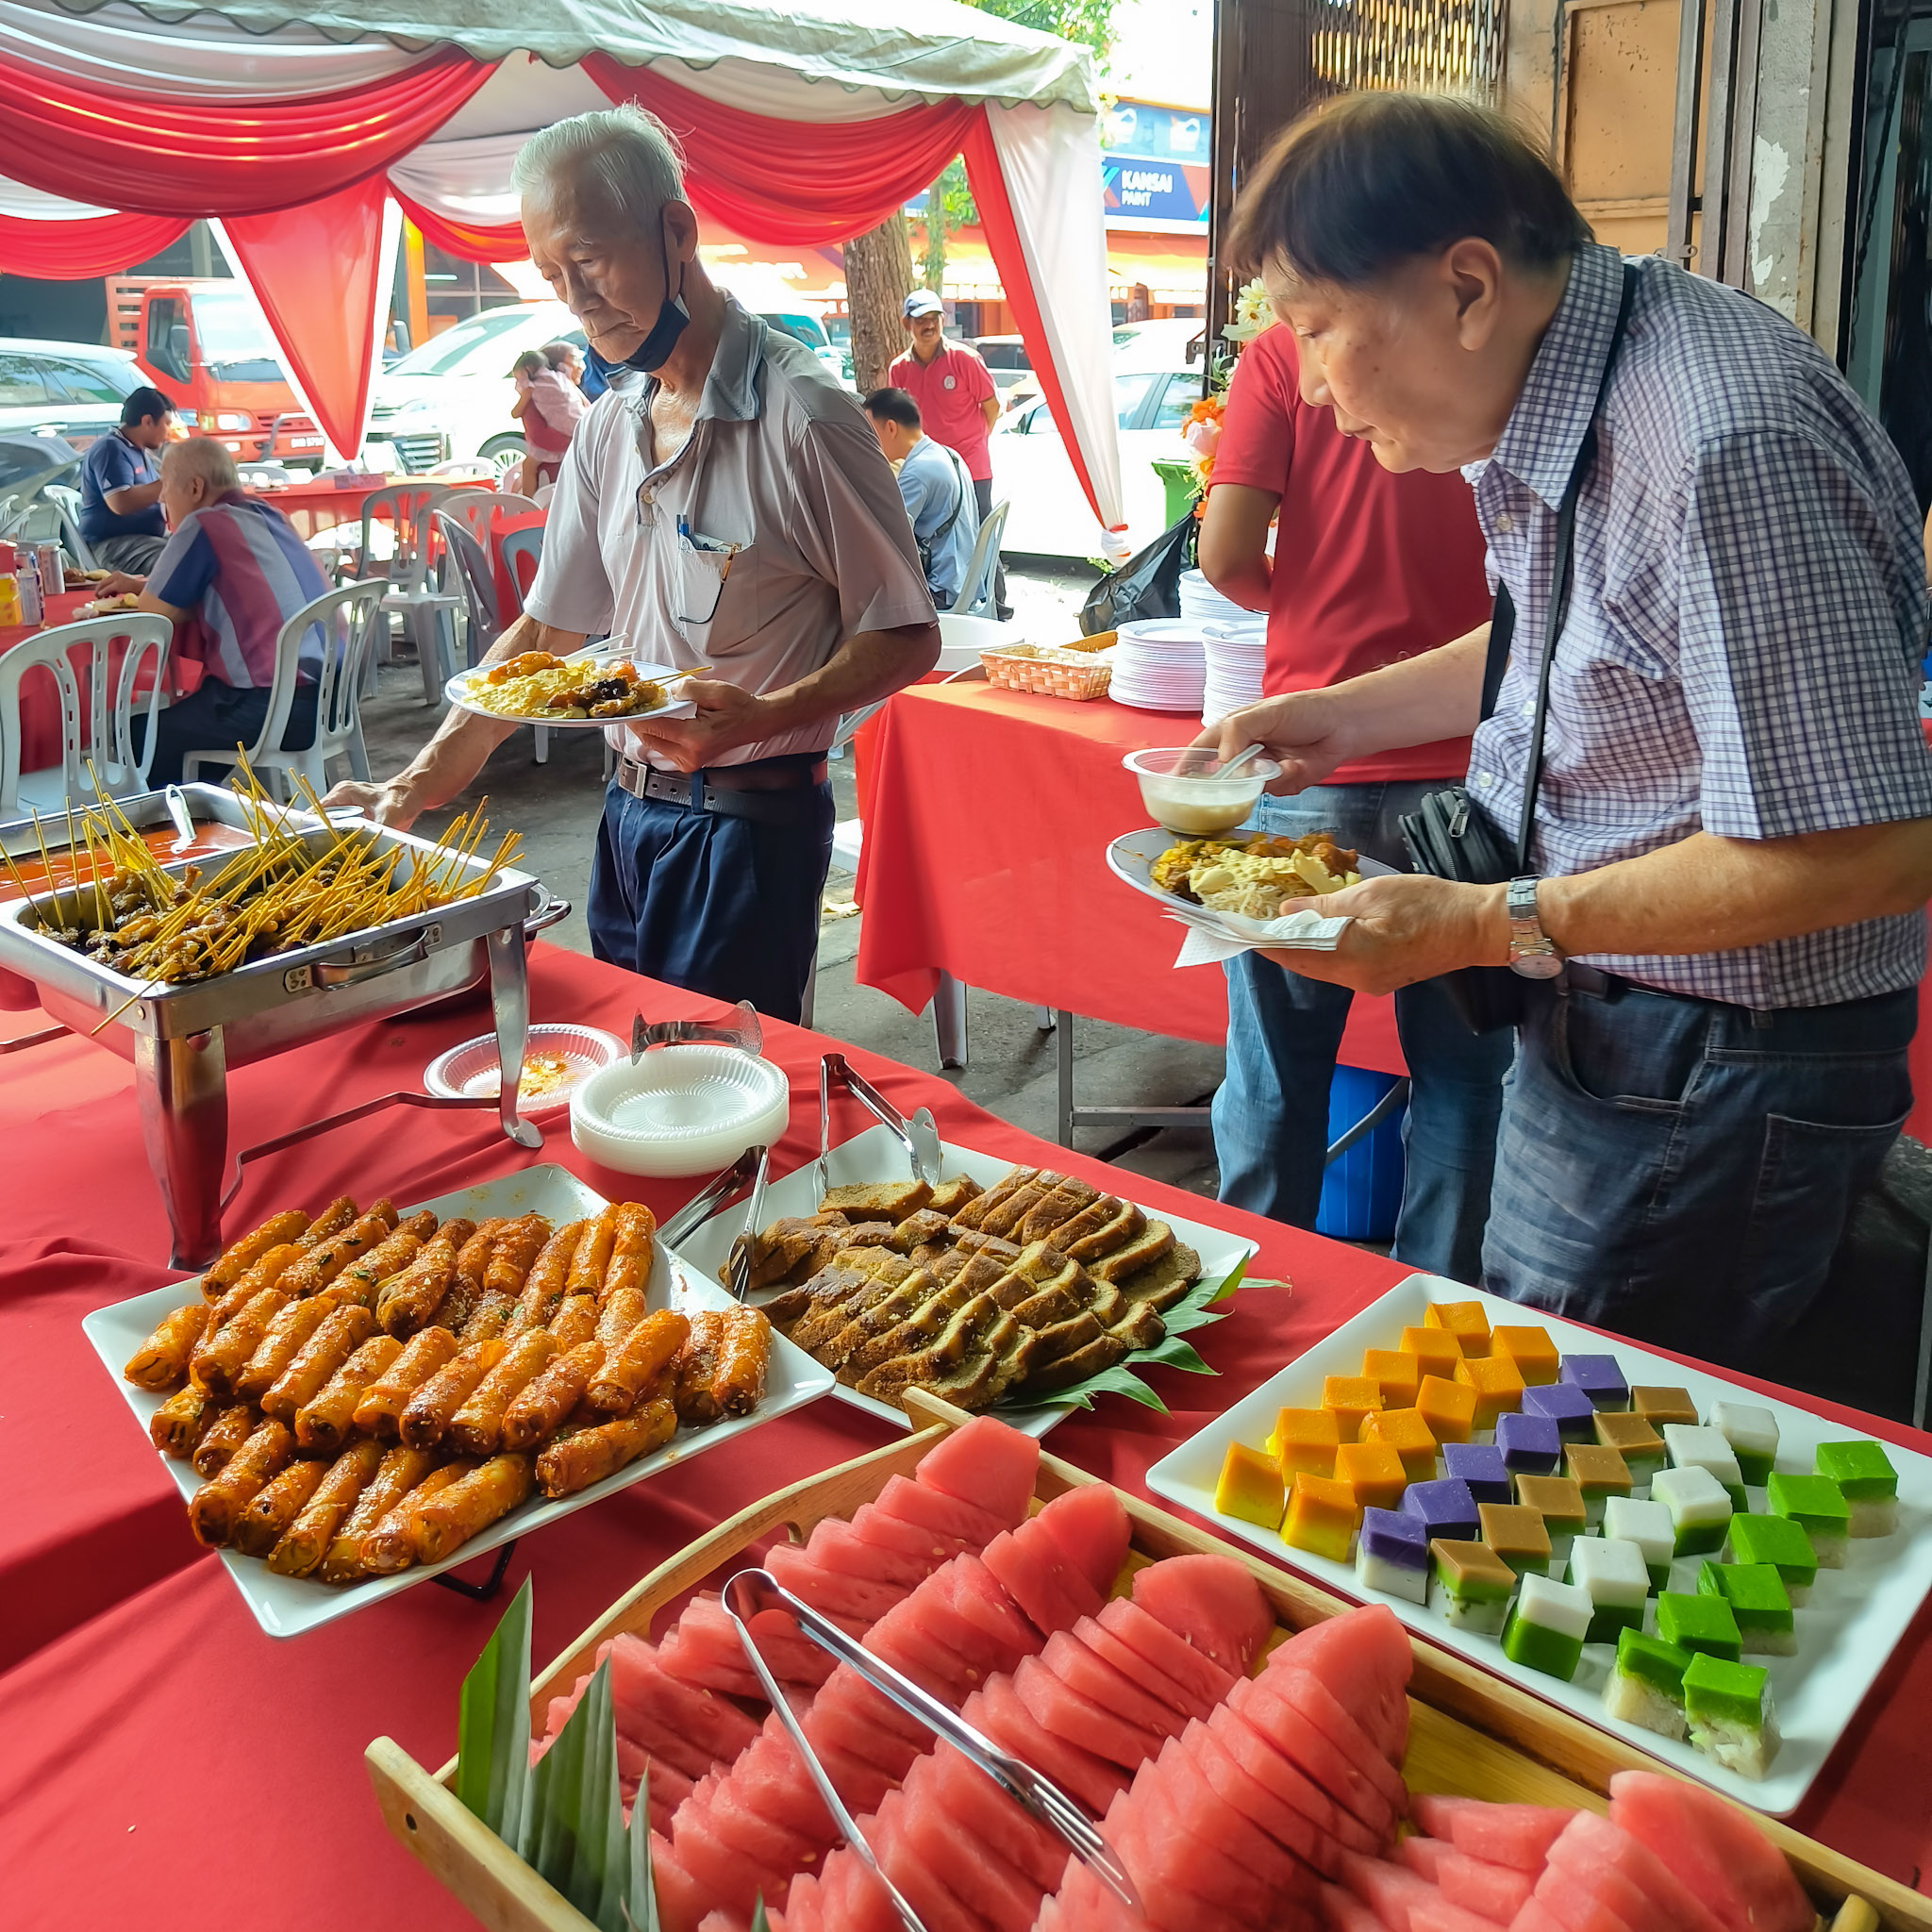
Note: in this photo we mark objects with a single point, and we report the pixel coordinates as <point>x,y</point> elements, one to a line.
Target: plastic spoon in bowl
<point>1240,758</point>
<point>1198,756</point>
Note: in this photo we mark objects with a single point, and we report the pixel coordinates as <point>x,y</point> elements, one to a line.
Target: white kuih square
<point>1610,1570</point>
<point>1704,1448</point>
<point>1646,1525</point>
<point>1693,1496</point>
<point>1564,1608</point>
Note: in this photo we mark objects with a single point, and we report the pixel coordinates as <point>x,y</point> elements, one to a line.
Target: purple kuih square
<point>1567,1405</point>
<point>1403,1540</point>
<point>1599,1377</point>
<point>1445,1508</point>
<point>1530,1445</point>
<point>1481,1467</point>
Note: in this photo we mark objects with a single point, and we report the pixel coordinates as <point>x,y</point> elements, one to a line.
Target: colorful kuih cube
<point>1730,1715</point>
<point>1517,1535</point>
<point>1700,1509</point>
<point>1393,1554</point>
<point>1634,1439</point>
<point>1322,1517</point>
<point>1436,1349</point>
<point>1250,1487</point>
<point>1473,1585</point>
<point>1528,1445</point>
<point>1372,1472</point>
<point>1498,1387</point>
<point>1481,1466</point>
<point>1559,1503</point>
<point>1698,1623</point>
<point>1649,1526</point>
<point>1752,1432</point>
<point>1448,1407</point>
<point>1466,1321</point>
<point>1780,1542</point>
<point>1348,1399</point>
<point>1868,1482</point>
<point>1531,1349</point>
<point>1445,1508</point>
<point>1690,1447</point>
<point>1617,1580</point>
<point>1657,1404</point>
<point>1599,1377</point>
<point>1817,1506</point>
<point>1306,1439</point>
<point>1600,1473</point>
<point>1568,1406</point>
<point>1547,1627</point>
<point>1396,1372</point>
<point>1646,1685</point>
<point>1408,1434</point>
<point>1758,1602</point>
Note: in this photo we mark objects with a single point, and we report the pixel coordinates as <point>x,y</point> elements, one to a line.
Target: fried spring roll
<point>738,1383</point>
<point>219,1359</point>
<point>236,1261</point>
<point>515,1254</point>
<point>575,1320</point>
<point>285,1339</point>
<point>367,1272</point>
<point>631,1252</point>
<point>327,1259</point>
<point>410,1300</point>
<point>181,1421</point>
<point>231,1427</point>
<point>632,1364</point>
<point>323,1423</point>
<point>336,1337</point>
<point>575,1461</point>
<point>160,1363</point>
<point>397,1475</point>
<point>538,1408</point>
<point>490,1318</point>
<point>389,1546</point>
<point>455,1309</point>
<point>381,1407</point>
<point>428,1414</point>
<point>215,1509</point>
<point>476,1428</point>
<point>306,1541</point>
<point>623,1308</point>
<point>441,1523</point>
<point>472,1254</point>
<point>332,1220</point>
<point>697,1366</point>
<point>592,1255</point>
<point>271,1508</point>
<point>266,1272</point>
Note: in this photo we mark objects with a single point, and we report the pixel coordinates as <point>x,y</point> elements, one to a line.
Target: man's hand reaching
<point>1302,733</point>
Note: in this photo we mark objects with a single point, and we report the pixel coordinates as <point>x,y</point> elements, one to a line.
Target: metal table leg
<point>509,997</point>
<point>949,1020</point>
<point>181,1089</point>
<point>1071,1115</point>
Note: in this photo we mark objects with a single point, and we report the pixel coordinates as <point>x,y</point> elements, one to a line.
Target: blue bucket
<point>1361,1193</point>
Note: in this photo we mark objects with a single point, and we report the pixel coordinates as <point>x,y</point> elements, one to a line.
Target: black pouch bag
<point>1147,585</point>
<point>1449,836</point>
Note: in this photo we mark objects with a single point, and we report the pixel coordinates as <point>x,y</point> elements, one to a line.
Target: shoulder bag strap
<point>958,501</point>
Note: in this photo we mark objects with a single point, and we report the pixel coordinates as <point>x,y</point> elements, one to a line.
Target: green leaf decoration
<point>1195,1310</point>
<point>641,1888</point>
<point>758,1921</point>
<point>493,1727</point>
<point>573,1832</point>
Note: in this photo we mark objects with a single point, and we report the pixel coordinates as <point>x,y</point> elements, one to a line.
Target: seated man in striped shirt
<point>237,566</point>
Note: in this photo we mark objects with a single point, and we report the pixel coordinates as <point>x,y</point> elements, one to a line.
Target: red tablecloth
<point>160,1759</point>
<point>989,811</point>
<point>320,505</point>
<point>511,584</point>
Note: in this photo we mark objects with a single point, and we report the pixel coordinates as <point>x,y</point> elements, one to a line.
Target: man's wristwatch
<point>1532,953</point>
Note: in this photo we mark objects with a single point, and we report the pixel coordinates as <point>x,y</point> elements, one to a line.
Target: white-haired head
<point>623,154</point>
<point>202,456</point>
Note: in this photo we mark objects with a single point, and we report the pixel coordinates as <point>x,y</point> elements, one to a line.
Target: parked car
<point>72,390</point>
<point>1030,468</point>
<point>1165,343</point>
<point>1006,361</point>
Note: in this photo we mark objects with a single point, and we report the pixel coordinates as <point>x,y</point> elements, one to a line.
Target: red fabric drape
<point>220,157</point>
<point>77,251</point>
<point>466,241</point>
<point>799,182</point>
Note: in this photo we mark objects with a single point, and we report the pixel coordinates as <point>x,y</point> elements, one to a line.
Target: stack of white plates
<point>1234,653</point>
<point>1201,603</point>
<point>1160,665</point>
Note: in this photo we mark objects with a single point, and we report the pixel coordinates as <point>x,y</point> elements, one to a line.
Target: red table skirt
<point>162,1762</point>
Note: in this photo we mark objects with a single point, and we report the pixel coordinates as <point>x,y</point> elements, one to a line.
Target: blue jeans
<point>1271,1116</point>
<point>1681,1172</point>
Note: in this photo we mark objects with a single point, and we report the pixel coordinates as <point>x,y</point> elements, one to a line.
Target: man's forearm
<point>1415,701</point>
<point>132,497</point>
<point>869,665</point>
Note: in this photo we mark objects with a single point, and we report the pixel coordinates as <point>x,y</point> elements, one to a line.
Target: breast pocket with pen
<point>717,605</point>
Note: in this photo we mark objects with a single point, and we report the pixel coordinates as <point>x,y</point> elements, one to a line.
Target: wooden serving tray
<point>1471,1734</point>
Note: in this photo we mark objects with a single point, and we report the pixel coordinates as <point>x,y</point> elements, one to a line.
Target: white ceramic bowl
<point>681,1110</point>
<point>1181,791</point>
<point>470,1071</point>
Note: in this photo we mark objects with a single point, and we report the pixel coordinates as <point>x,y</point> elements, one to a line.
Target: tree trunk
<point>878,277</point>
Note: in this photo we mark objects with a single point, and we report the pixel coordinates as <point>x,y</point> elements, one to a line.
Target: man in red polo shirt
<point>957,402</point>
<point>1368,567</point>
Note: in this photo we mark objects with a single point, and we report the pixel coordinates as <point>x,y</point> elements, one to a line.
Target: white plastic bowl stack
<point>1235,654</point>
<point>1160,665</point>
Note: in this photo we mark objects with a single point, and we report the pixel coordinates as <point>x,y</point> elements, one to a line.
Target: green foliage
<point>1194,1310</point>
<point>493,1728</point>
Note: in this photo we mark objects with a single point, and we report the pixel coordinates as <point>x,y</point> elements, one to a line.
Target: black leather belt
<point>1593,981</point>
<point>778,789</point>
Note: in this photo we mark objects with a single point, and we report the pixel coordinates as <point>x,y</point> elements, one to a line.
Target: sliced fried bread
<point>777,1250</point>
<point>1165,1281</point>
<point>879,1200</point>
<point>1120,1228</point>
<point>950,1196</point>
<point>914,1330</point>
<point>1076,1365</point>
<point>1056,1210</point>
<point>826,1317</point>
<point>1147,1247</point>
<point>1141,1326</point>
<point>939,1356</point>
<point>973,1214</point>
<point>926,1226</point>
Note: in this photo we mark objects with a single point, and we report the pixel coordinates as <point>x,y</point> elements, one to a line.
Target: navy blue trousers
<point>726,906</point>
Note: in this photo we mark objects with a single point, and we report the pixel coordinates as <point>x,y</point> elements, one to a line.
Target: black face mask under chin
<point>655,350</point>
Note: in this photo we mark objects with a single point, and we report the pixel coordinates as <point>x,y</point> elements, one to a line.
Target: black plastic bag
<point>1147,585</point>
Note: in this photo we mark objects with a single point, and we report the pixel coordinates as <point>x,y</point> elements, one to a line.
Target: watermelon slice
<point>1345,1912</point>
<point>734,1823</point>
<point>1209,1602</point>
<point>791,1655</point>
<point>1097,1680</point>
<point>1089,1526</point>
<point>772,1783</point>
<point>1424,1856</point>
<point>1435,1813</point>
<point>1364,1657</point>
<point>835,1545</point>
<point>843,1723</point>
<point>1185,1884</point>
<point>696,1652</point>
<point>1389,1891</point>
<point>853,1899</point>
<point>1318,1849</point>
<point>721,1921</point>
<point>1084,1904</point>
<point>726,1874</point>
<point>1589,1843</point>
<point>1050,1592</point>
<point>961,1788</point>
<point>968,1868</point>
<point>1056,1707</point>
<point>1490,1892</point>
<point>803,1911</point>
<point>940,1909</point>
<point>689,1728</point>
<point>998,1712</point>
<point>1310,1695</point>
<point>912,1650</point>
<point>939,1618</point>
<point>855,1602</point>
<point>1263,1759</point>
<point>1198,1674</point>
<point>1595,1901</point>
<point>1177,1781</point>
<point>1519,1836</point>
<point>981,1598</point>
<point>1721,1858</point>
<point>871,1525</point>
<point>929,1509</point>
<point>987,1463</point>
<point>1138,1669</point>
<point>1535,1917</point>
<point>1442,1915</point>
<point>682,1902</point>
<point>1313,1750</point>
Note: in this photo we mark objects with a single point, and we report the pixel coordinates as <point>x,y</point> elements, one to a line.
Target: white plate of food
<point>875,1160</point>
<point>599,686</point>
<point>1845,1627</point>
<point>558,1059</point>
<point>288,1605</point>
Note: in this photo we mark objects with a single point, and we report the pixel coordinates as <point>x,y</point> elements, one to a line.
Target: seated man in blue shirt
<point>936,490</point>
<point>120,486</point>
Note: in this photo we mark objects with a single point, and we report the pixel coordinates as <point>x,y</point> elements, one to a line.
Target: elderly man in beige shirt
<point>724,506</point>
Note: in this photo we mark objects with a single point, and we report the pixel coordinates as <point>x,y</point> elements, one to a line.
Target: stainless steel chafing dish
<point>183,1039</point>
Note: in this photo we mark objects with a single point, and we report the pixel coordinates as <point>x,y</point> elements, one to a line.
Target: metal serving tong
<point>752,1167</point>
<point>919,1136</point>
<point>752,1591</point>
<point>744,1031</point>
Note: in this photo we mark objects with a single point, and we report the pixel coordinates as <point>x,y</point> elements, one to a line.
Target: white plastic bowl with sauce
<point>1180,790</point>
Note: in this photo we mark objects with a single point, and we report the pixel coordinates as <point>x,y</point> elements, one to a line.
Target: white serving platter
<point>877,1155</point>
<point>1846,1630</point>
<point>290,1605</point>
<point>460,691</point>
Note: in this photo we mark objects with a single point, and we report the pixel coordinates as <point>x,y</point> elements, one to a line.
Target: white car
<point>73,390</point>
<point>1050,514</point>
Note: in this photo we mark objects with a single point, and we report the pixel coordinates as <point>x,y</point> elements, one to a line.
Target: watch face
<point>1537,965</point>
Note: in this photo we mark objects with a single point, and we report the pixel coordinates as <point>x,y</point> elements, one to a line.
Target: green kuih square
<point>1732,1693</point>
<point>1817,1506</point>
<point>1869,1483</point>
<point>1756,1596</point>
<point>1777,1540</point>
<point>1646,1686</point>
<point>1699,1624</point>
<point>1537,1647</point>
<point>1659,1664</point>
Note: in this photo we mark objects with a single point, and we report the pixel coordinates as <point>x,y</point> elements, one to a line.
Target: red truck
<point>204,345</point>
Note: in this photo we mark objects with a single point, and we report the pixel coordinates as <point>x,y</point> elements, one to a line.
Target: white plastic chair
<point>265,476</point>
<point>476,510</point>
<point>413,592</point>
<point>349,619</point>
<point>66,502</point>
<point>473,580</point>
<point>975,598</point>
<point>108,737</point>
<point>463,470</point>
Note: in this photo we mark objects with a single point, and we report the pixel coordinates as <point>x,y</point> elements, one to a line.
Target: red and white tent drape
<point>123,129</point>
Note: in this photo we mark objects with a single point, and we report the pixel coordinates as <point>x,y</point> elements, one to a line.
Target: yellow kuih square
<point>1250,1487</point>
<point>1463,1320</point>
<point>1530,1349</point>
<point>1348,1398</point>
<point>1498,1387</point>
<point>1396,1370</point>
<point>1436,1349</point>
<point>1322,1517</point>
<point>1408,1434</point>
<point>1373,1471</point>
<point>1448,1407</point>
<point>1305,1439</point>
